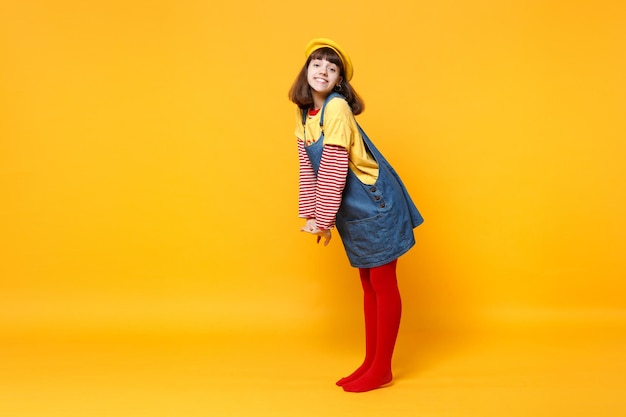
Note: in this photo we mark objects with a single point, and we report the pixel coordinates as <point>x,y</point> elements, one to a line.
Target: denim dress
<point>375,221</point>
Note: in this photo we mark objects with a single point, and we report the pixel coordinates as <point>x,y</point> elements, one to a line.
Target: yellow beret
<point>318,43</point>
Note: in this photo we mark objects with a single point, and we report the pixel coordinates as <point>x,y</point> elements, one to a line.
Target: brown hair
<point>300,91</point>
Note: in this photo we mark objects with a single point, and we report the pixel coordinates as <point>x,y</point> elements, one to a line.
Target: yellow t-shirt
<point>340,129</point>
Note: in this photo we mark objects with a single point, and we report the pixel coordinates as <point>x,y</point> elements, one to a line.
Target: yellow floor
<point>518,370</point>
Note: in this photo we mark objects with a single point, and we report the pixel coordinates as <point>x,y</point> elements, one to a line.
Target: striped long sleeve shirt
<point>320,197</point>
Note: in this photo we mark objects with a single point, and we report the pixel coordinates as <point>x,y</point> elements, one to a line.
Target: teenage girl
<point>346,182</point>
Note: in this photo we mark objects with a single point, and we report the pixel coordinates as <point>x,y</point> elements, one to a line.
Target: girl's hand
<point>311,227</point>
<point>323,233</point>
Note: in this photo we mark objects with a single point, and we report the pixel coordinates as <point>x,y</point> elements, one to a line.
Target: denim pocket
<point>368,236</point>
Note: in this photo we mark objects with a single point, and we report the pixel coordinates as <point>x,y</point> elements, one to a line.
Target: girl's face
<point>323,76</point>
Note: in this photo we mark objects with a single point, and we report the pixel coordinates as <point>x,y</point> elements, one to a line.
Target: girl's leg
<point>388,312</point>
<point>369,307</point>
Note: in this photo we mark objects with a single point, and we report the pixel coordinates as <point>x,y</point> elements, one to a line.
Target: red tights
<point>383,308</point>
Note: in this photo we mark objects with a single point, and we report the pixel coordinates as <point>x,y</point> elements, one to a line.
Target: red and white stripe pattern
<point>320,197</point>
<point>308,182</point>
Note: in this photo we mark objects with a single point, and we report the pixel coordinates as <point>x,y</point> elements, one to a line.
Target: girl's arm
<point>331,180</point>
<point>307,184</point>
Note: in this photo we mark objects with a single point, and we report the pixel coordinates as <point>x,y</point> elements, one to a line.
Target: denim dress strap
<point>322,111</point>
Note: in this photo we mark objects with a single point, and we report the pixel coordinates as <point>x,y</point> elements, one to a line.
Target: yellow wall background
<point>148,175</point>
